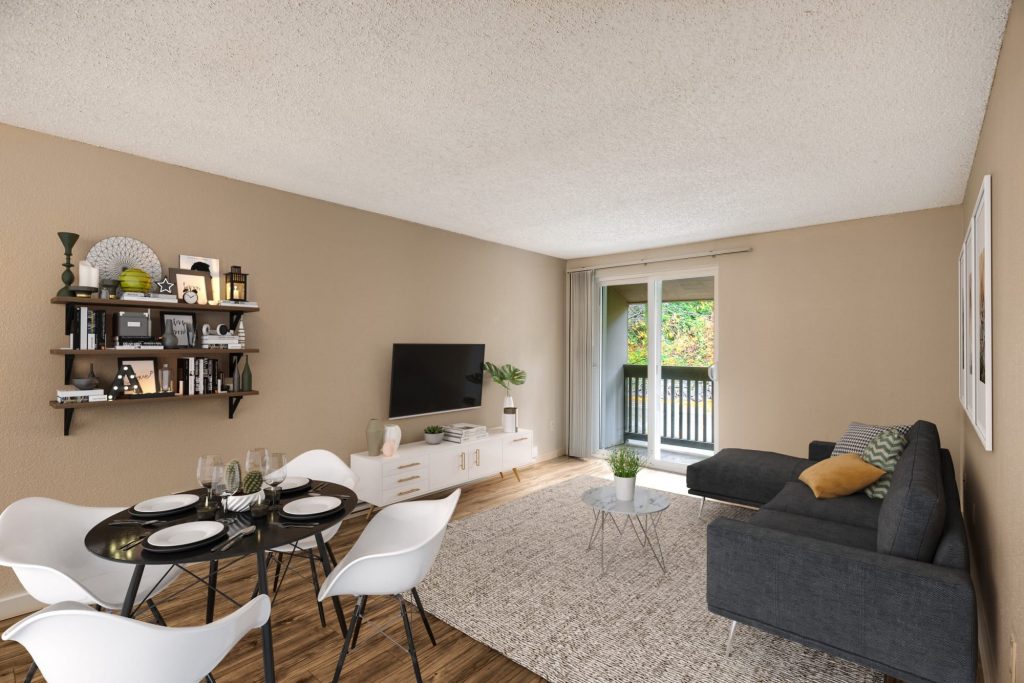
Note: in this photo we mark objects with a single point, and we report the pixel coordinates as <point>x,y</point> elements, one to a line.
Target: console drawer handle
<point>462,461</point>
<point>478,457</point>
<point>522,438</point>
<point>406,493</point>
<point>411,464</point>
<point>405,479</point>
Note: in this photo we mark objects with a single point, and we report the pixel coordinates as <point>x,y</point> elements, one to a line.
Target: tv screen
<point>435,378</point>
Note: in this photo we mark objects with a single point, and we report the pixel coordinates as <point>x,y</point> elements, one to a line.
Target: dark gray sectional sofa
<point>882,583</point>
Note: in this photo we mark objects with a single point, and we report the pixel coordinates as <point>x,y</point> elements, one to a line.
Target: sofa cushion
<point>744,476</point>
<point>883,452</point>
<point>913,513</point>
<point>856,510</point>
<point>858,435</point>
<point>819,529</point>
<point>840,475</point>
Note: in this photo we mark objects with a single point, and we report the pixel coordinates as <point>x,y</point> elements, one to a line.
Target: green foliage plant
<point>434,429</point>
<point>505,375</point>
<point>626,461</point>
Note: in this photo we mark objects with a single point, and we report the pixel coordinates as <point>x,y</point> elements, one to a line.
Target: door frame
<point>653,276</point>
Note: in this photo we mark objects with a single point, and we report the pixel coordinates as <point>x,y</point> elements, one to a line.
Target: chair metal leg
<point>423,616</point>
<point>728,643</point>
<point>359,625</point>
<point>700,511</point>
<point>357,616</point>
<point>210,679</point>
<point>316,590</point>
<point>277,572</point>
<point>408,637</point>
<point>31,673</point>
<point>156,613</point>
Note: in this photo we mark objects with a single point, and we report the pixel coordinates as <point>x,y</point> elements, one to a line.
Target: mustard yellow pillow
<point>840,475</point>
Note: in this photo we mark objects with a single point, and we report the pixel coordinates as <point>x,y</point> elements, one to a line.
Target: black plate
<point>187,546</point>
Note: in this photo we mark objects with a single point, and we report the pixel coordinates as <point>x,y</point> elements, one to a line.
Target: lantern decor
<point>68,239</point>
<point>235,284</point>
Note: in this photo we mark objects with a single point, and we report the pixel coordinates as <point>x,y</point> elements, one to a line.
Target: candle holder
<point>68,239</point>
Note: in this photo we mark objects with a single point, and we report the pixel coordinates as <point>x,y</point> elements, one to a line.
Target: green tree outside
<point>687,338</point>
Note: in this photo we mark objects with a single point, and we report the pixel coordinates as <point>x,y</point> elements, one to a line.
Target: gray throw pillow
<point>858,435</point>
<point>883,452</point>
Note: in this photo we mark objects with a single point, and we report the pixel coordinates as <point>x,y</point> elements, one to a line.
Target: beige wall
<point>994,480</point>
<point>337,287</point>
<point>823,325</point>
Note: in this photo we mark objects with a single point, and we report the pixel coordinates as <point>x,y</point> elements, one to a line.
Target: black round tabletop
<point>272,531</point>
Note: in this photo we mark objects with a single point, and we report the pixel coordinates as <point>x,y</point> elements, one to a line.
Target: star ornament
<point>166,286</point>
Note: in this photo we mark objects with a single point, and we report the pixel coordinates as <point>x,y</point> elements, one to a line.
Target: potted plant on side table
<point>625,463</point>
<point>434,434</point>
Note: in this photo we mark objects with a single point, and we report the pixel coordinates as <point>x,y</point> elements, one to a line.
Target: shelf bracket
<point>69,362</point>
<point>68,414</point>
<point>233,402</point>
<point>234,317</point>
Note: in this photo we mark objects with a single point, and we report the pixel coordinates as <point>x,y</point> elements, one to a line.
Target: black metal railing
<point>687,406</point>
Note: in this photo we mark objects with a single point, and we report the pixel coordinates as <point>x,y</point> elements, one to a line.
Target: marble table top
<point>645,501</point>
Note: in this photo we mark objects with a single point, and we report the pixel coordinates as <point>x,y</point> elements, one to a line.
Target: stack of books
<point>71,394</point>
<point>242,304</point>
<point>148,296</point>
<point>461,432</point>
<point>138,344</point>
<point>221,341</point>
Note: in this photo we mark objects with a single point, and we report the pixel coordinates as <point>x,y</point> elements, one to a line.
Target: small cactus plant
<point>252,483</point>
<point>233,476</point>
<point>434,429</point>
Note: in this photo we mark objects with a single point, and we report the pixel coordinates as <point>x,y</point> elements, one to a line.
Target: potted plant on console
<point>625,463</point>
<point>505,376</point>
<point>434,434</point>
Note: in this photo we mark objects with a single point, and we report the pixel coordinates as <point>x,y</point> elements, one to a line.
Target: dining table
<point>113,538</point>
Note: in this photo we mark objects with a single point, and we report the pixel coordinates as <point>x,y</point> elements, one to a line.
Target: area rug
<point>519,579</point>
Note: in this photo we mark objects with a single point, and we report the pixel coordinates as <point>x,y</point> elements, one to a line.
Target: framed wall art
<point>975,317</point>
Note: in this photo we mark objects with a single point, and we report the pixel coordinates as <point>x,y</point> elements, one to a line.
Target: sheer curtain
<point>582,308</point>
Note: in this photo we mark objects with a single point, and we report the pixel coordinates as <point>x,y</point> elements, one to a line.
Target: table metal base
<point>645,528</point>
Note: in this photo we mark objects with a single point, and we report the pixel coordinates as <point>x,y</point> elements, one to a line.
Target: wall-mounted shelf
<point>143,353</point>
<point>234,398</point>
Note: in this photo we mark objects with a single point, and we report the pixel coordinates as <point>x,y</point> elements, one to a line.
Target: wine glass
<point>274,472</point>
<point>254,459</point>
<point>204,473</point>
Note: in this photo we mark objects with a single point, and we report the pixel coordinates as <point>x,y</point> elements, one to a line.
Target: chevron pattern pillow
<point>883,452</point>
<point>858,435</point>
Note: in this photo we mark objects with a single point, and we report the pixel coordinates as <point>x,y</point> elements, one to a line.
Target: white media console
<point>420,468</point>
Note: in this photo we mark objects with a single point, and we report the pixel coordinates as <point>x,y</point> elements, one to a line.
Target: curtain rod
<point>682,257</point>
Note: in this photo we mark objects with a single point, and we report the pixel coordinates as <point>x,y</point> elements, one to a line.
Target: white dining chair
<point>322,465</point>
<point>393,554</point>
<point>74,644</point>
<point>43,541</point>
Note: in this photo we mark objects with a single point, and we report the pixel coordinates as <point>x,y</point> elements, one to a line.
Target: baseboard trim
<point>18,604</point>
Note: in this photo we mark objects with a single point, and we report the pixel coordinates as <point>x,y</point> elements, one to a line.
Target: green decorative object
<point>68,239</point>
<point>625,461</point>
<point>233,475</point>
<point>374,437</point>
<point>434,429</point>
<point>252,483</point>
<point>246,376</point>
<point>135,280</point>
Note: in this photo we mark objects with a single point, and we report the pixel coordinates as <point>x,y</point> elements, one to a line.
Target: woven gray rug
<point>518,578</point>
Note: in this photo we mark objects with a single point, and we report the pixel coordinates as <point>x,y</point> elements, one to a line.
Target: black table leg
<point>211,591</point>
<point>325,561</point>
<point>268,640</point>
<point>133,591</point>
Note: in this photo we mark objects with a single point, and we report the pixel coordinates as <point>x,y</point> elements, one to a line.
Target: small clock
<point>190,295</point>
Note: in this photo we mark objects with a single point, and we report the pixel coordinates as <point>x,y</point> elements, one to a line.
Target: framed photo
<point>194,286</point>
<point>975,316</point>
<point>182,326</point>
<point>207,265</point>
<point>145,372</point>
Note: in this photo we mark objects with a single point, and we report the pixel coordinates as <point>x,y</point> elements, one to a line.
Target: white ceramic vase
<point>392,438</point>
<point>624,488</point>
<point>509,403</point>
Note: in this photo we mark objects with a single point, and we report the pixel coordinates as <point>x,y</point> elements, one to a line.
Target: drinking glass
<point>218,485</point>
<point>274,472</point>
<point>254,459</point>
<point>204,473</point>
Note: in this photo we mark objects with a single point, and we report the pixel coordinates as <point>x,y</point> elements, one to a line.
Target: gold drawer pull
<point>411,464</point>
<point>522,438</point>
<point>462,461</point>
<point>406,493</point>
<point>478,457</point>
<point>405,479</point>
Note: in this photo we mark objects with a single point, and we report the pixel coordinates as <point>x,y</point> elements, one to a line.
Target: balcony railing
<point>687,406</point>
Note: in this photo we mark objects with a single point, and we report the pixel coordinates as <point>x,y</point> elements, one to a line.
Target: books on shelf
<point>199,376</point>
<point>221,341</point>
<point>242,304</point>
<point>148,296</point>
<point>88,329</point>
<point>136,345</point>
<point>71,394</point>
<point>462,432</point>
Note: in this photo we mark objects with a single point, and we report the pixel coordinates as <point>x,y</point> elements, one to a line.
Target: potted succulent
<point>505,376</point>
<point>433,434</point>
<point>625,463</point>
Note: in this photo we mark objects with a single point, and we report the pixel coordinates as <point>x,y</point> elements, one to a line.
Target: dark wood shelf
<point>161,305</point>
<point>143,353</point>
<point>147,401</point>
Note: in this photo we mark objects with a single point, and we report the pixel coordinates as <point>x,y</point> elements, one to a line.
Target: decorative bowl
<point>241,503</point>
<point>85,382</point>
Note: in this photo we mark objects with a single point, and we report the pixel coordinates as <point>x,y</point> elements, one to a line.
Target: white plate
<point>178,501</point>
<point>308,507</point>
<point>185,534</point>
<point>290,483</point>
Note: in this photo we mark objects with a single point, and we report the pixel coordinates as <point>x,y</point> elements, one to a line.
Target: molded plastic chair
<point>393,554</point>
<point>322,465</point>
<point>75,644</point>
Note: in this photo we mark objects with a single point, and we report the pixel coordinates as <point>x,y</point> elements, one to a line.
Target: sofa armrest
<point>820,450</point>
<point>906,617</point>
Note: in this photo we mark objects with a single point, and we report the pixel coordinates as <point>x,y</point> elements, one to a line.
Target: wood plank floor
<point>306,652</point>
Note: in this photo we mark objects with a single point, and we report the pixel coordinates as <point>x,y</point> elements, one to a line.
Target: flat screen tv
<point>435,378</point>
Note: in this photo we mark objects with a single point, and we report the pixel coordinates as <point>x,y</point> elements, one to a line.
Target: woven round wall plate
<point>114,254</point>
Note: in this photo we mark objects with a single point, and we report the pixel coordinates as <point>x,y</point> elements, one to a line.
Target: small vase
<point>374,436</point>
<point>624,488</point>
<point>433,439</point>
<point>509,403</point>
<point>246,376</point>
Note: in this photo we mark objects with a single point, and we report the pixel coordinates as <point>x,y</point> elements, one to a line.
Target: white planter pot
<point>624,487</point>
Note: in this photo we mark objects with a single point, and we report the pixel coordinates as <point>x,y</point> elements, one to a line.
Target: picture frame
<point>145,372</point>
<point>181,325</point>
<point>212,265</point>
<point>975,317</point>
<point>185,280</point>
